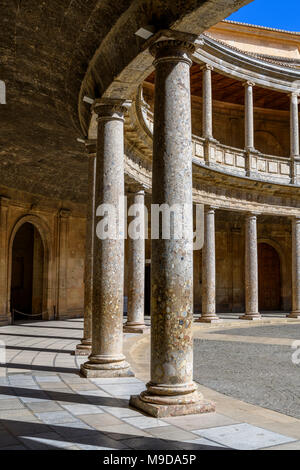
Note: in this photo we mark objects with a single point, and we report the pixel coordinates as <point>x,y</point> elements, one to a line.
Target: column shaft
<point>209,269</point>
<point>207,103</point>
<point>84,347</point>
<point>136,266</point>
<point>107,359</point>
<point>251,269</point>
<point>171,389</point>
<point>294,125</point>
<point>249,118</point>
<point>295,268</point>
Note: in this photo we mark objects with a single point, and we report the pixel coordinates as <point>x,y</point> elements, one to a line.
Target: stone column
<point>251,269</point>
<point>294,135</point>
<point>171,390</point>
<point>249,118</point>
<point>136,267</point>
<point>63,233</point>
<point>5,316</point>
<point>207,129</point>
<point>84,347</point>
<point>107,359</point>
<point>295,268</point>
<point>209,269</point>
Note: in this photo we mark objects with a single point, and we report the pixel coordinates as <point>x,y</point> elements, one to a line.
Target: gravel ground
<point>260,374</point>
<point>272,331</point>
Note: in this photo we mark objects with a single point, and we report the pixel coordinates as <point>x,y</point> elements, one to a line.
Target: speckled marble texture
<point>107,359</point>
<point>251,269</point>
<point>136,270</point>
<point>171,389</point>
<point>84,347</point>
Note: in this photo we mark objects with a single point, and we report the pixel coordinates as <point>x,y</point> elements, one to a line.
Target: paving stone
<point>243,436</point>
<point>10,404</point>
<point>171,432</point>
<point>81,409</point>
<point>147,443</point>
<point>208,420</point>
<point>54,417</point>
<point>44,406</point>
<point>201,444</point>
<point>144,422</point>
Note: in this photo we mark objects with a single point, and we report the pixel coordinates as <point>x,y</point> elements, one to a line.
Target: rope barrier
<point>28,314</point>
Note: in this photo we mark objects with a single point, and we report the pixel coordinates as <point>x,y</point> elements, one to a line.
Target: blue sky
<point>272,13</point>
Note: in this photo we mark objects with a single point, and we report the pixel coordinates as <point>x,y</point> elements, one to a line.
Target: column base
<point>115,369</point>
<point>251,316</point>
<point>294,315</point>
<point>83,349</point>
<point>136,328</point>
<point>209,319</point>
<point>172,409</point>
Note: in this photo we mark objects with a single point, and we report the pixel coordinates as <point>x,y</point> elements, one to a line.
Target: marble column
<point>249,118</point>
<point>207,127</point>
<point>251,269</point>
<point>107,358</point>
<point>171,390</point>
<point>84,347</point>
<point>295,268</point>
<point>208,314</point>
<point>294,135</point>
<point>136,268</point>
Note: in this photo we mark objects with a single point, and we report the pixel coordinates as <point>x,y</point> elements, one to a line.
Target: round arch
<point>44,232</point>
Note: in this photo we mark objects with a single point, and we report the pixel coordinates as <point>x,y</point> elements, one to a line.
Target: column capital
<point>172,50</point>
<point>111,108</point>
<point>208,208</point>
<point>64,213</point>
<point>206,67</point>
<point>251,214</point>
<point>91,147</point>
<point>248,83</point>
<point>294,94</point>
<point>4,201</point>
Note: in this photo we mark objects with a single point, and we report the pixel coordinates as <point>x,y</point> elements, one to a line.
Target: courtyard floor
<point>45,404</point>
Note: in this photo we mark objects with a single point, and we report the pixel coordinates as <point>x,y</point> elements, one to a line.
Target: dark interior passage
<point>269,278</point>
<point>27,272</point>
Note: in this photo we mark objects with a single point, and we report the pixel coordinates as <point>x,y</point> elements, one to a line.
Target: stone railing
<point>236,161</point>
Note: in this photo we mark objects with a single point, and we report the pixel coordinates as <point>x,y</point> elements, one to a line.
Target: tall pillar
<point>4,307</point>
<point>84,347</point>
<point>294,136</point>
<point>207,129</point>
<point>251,269</point>
<point>62,257</point>
<point>136,268</point>
<point>107,359</point>
<point>209,269</point>
<point>295,268</point>
<point>249,117</point>
<point>171,390</point>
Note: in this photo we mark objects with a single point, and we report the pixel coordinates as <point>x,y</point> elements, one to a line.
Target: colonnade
<point>207,122</point>
<point>171,389</point>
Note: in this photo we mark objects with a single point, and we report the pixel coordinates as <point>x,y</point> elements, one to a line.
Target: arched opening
<point>269,278</point>
<point>27,273</point>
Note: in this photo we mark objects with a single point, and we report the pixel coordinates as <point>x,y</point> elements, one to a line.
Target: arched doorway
<point>269,278</point>
<point>27,273</point>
